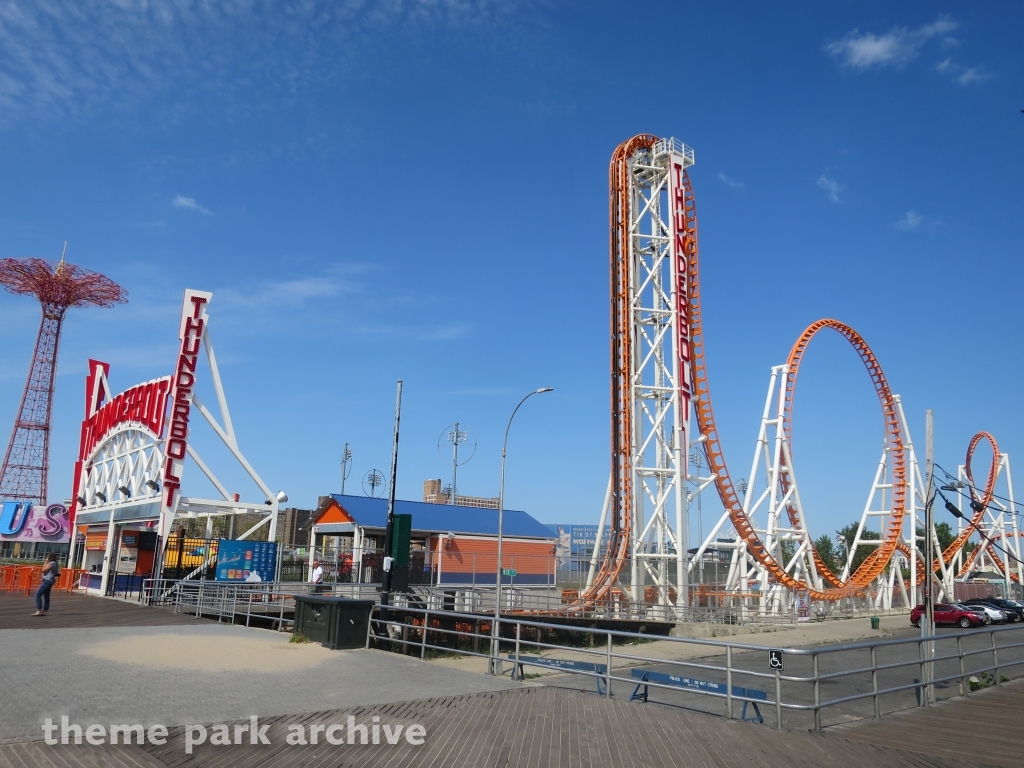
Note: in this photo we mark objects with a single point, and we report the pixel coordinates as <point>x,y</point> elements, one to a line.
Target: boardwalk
<point>78,611</point>
<point>475,721</point>
<point>990,720</point>
<point>543,727</point>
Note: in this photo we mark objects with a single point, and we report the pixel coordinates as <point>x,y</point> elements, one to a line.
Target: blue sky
<point>418,190</point>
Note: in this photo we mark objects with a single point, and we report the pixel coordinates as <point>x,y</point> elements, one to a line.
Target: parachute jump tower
<point>23,476</point>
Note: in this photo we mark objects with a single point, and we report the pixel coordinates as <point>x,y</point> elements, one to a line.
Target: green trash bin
<point>874,622</point>
<point>334,622</point>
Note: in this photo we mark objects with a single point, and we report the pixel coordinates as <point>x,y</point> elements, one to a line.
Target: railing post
<point>519,630</point>
<point>608,669</point>
<point>817,695</point>
<point>874,681</point>
<point>728,682</point>
<point>995,657</point>
<point>964,687</point>
<point>369,626</point>
<point>492,654</point>
<point>423,639</point>
<point>778,700</point>
<point>922,691</point>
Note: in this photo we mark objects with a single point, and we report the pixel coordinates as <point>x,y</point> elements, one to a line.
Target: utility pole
<point>455,461</point>
<point>928,620</point>
<point>389,531</point>
<point>346,457</point>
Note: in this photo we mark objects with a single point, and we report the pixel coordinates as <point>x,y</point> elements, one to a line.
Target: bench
<point>598,670</point>
<point>703,686</point>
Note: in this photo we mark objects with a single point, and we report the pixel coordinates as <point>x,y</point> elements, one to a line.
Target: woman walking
<point>50,573</point>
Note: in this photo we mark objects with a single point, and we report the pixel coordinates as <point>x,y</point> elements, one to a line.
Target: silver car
<point>992,615</point>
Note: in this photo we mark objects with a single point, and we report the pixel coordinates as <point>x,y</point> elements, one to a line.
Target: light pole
<point>501,520</point>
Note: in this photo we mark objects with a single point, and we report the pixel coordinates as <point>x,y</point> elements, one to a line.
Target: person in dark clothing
<point>50,573</point>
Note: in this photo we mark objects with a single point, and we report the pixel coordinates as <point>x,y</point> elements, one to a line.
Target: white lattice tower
<point>657,278</point>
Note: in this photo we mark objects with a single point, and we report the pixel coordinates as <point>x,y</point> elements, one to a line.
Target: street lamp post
<point>501,520</point>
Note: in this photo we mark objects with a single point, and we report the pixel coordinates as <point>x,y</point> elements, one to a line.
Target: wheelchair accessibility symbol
<point>775,659</point>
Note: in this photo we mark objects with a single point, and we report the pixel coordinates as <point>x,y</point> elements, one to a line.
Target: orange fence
<point>25,579</point>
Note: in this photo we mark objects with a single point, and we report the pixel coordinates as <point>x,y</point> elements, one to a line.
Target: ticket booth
<point>136,553</point>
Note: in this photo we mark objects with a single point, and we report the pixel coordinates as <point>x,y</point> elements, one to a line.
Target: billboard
<point>574,543</point>
<point>25,522</point>
<point>246,560</point>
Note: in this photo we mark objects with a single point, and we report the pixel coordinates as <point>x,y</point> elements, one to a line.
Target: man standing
<point>317,577</point>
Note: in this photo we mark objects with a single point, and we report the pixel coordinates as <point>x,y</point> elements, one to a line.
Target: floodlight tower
<point>27,461</point>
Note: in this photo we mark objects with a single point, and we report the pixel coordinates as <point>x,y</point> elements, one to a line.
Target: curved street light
<point>501,520</point>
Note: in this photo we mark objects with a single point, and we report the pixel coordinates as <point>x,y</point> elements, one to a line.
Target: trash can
<point>874,622</point>
<point>334,622</point>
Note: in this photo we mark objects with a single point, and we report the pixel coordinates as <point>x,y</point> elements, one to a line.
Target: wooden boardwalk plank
<point>76,611</point>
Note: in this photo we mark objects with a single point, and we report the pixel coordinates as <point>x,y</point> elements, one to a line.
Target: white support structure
<point>1000,524</point>
<point>771,491</point>
<point>659,378</point>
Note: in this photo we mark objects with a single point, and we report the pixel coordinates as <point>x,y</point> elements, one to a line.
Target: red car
<point>948,614</point>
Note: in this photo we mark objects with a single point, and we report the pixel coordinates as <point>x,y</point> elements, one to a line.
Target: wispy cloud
<point>731,182</point>
<point>864,50</point>
<point>79,58</point>
<point>338,280</point>
<point>910,222</point>
<point>447,332</point>
<point>831,187</point>
<point>961,75</point>
<point>189,203</point>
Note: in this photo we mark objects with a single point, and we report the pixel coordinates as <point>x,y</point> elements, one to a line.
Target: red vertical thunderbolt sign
<point>191,333</point>
<point>680,233</point>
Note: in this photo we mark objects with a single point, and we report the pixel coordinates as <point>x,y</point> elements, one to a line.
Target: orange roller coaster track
<point>979,505</point>
<point>879,558</point>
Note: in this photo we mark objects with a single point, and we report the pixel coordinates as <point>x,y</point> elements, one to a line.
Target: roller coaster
<point>660,391</point>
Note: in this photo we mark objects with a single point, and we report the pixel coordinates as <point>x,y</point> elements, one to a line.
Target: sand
<point>210,652</point>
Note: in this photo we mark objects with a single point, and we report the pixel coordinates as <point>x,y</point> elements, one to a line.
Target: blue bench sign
<point>567,664</point>
<point>701,686</point>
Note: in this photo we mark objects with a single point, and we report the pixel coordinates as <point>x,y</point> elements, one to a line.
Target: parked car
<point>992,615</point>
<point>949,614</point>
<point>1014,611</point>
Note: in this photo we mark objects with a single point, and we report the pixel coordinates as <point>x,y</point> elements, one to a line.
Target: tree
<point>826,550</point>
<point>845,537</point>
<point>788,550</point>
<point>943,533</point>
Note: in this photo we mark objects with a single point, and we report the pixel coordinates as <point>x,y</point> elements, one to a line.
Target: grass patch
<point>984,680</point>
<point>531,675</point>
<point>298,637</point>
<point>434,654</point>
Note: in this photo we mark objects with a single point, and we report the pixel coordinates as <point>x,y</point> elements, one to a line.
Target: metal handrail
<point>730,670</point>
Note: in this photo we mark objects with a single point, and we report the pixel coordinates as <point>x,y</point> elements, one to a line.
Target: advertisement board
<point>21,521</point>
<point>246,560</point>
<point>574,543</point>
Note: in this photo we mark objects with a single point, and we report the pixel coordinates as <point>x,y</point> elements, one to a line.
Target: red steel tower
<point>27,461</point>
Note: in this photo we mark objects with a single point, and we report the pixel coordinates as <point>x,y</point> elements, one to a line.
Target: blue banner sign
<point>246,560</point>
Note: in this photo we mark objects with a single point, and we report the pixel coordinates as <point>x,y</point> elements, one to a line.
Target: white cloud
<point>897,46</point>
<point>961,75</point>
<point>831,186</point>
<point>190,204</point>
<point>971,75</point>
<point>75,59</point>
<point>731,182</point>
<point>910,222</point>
<point>336,281</point>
